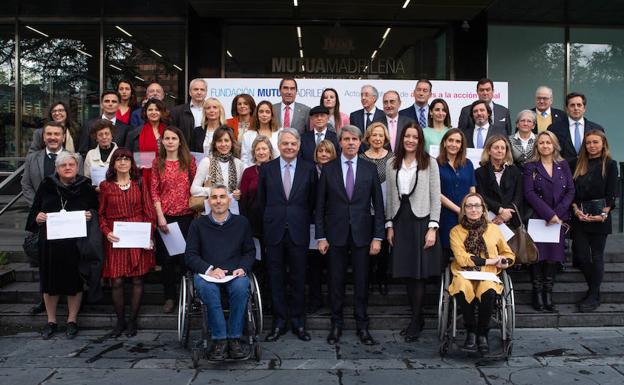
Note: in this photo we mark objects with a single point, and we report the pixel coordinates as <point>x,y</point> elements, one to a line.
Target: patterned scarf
<point>474,243</point>
<point>214,174</point>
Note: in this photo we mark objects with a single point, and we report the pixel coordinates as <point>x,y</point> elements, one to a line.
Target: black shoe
<point>482,343</point>
<point>470,345</point>
<point>275,335</point>
<point>235,350</point>
<point>548,303</point>
<point>538,303</point>
<point>365,337</point>
<point>334,335</point>
<point>588,305</point>
<point>132,328</point>
<point>118,329</point>
<point>72,330</point>
<point>38,308</point>
<point>383,288</point>
<point>48,330</point>
<point>217,350</point>
<point>412,336</point>
<point>302,334</point>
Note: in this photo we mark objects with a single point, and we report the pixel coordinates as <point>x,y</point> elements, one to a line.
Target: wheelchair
<point>503,317</point>
<point>191,307</point>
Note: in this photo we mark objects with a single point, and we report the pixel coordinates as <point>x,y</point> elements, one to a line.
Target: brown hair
<point>164,113</point>
<point>184,155</point>
<point>536,157</point>
<point>99,125</point>
<point>485,156</point>
<point>218,133</point>
<point>447,120</point>
<point>255,121</point>
<point>111,173</point>
<point>327,145</point>
<point>250,101</point>
<point>462,207</point>
<point>460,159</point>
<point>422,157</point>
<point>583,159</point>
<point>337,118</point>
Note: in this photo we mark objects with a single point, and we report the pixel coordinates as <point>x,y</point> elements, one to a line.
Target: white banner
<point>456,93</point>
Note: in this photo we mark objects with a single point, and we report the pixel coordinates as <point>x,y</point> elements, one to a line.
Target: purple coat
<point>549,196</point>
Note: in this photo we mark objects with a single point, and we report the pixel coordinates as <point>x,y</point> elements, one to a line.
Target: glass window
<point>597,70</point>
<point>527,57</point>
<point>335,52</point>
<point>7,93</point>
<point>59,62</point>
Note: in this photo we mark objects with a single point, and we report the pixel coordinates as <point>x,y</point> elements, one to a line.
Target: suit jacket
<point>562,130</point>
<point>508,194</point>
<point>539,188</point>
<point>308,144</point>
<point>135,118</point>
<point>501,119</point>
<point>37,141</point>
<point>34,174</point>
<point>335,214</point>
<point>132,140</point>
<point>402,122</point>
<point>87,143</point>
<point>357,118</point>
<point>182,117</point>
<point>557,116</point>
<point>298,121</point>
<point>293,213</point>
<point>491,131</point>
<point>410,113</point>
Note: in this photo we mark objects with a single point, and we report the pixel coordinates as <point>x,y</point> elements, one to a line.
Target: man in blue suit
<point>419,111</point>
<point>345,228</point>
<point>286,195</point>
<point>310,139</point>
<point>370,113</point>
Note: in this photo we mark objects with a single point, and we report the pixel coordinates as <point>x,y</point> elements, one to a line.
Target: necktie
<point>479,137</point>
<point>319,137</point>
<point>52,156</point>
<point>330,126</point>
<point>421,117</point>
<point>577,137</point>
<point>368,120</point>
<point>544,114</point>
<point>287,117</point>
<point>286,181</point>
<point>350,180</point>
<point>393,132</point>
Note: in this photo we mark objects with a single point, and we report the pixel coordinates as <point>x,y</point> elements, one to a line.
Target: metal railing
<point>7,182</point>
<point>621,202</point>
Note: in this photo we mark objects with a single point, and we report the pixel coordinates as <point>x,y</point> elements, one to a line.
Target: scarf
<point>214,174</point>
<point>474,242</point>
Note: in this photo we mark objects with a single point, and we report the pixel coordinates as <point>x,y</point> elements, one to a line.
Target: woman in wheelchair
<point>477,245</point>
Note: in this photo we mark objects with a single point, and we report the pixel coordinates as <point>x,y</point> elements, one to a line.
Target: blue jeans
<point>210,294</point>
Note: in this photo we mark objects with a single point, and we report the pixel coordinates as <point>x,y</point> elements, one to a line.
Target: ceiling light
<point>301,53</point>
<point>295,3</point>
<point>228,53</point>
<point>141,79</point>
<point>123,30</point>
<point>406,4</point>
<point>156,53</point>
<point>178,68</point>
<point>36,30</point>
<point>115,67</point>
<point>84,53</point>
<point>374,54</point>
<point>299,32</point>
<point>385,35</point>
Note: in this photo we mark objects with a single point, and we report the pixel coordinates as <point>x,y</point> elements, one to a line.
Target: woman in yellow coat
<point>477,245</point>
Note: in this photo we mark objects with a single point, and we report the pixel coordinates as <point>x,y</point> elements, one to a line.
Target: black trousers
<point>337,263</point>
<point>172,265</point>
<point>379,264</point>
<point>317,262</point>
<point>588,255</point>
<point>286,264</point>
<point>486,308</point>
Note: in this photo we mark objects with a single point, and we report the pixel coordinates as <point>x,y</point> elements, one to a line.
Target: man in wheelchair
<point>220,244</point>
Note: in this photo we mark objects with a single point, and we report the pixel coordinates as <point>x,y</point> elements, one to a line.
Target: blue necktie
<point>577,137</point>
<point>479,137</point>
<point>544,114</point>
<point>421,118</point>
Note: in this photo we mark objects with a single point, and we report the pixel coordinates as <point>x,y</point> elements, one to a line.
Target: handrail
<point>11,202</point>
<point>13,175</point>
<point>621,203</point>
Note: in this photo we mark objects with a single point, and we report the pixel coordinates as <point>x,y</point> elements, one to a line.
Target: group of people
<point>366,182</point>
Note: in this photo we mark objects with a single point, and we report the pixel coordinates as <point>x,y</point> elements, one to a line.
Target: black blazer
<point>491,131</point>
<point>308,144</point>
<point>196,144</point>
<point>562,130</point>
<point>557,116</point>
<point>335,214</point>
<point>357,118</point>
<point>501,121</point>
<point>402,122</point>
<point>87,143</point>
<point>182,117</point>
<point>506,195</point>
<point>278,212</point>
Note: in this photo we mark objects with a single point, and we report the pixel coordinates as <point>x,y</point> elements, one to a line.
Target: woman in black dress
<point>59,259</point>
<point>412,216</point>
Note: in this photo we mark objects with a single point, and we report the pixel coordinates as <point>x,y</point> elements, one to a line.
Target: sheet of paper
<point>474,154</point>
<point>538,230</point>
<point>258,249</point>
<point>233,205</point>
<point>507,232</point>
<point>208,278</point>
<point>66,224</point>
<point>144,159</point>
<point>173,240</point>
<point>98,174</point>
<point>132,235</point>
<point>198,156</point>
<point>480,276</point>
<point>313,242</point>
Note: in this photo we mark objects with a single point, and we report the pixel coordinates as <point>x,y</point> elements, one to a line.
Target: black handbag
<point>31,247</point>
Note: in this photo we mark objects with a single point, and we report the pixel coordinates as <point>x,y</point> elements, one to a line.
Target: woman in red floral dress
<point>123,198</point>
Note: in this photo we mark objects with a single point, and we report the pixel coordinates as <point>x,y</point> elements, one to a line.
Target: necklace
<point>124,186</point>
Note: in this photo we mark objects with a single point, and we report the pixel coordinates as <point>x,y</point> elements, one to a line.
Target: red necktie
<point>287,117</point>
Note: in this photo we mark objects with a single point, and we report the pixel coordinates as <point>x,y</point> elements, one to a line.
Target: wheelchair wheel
<point>195,356</point>
<point>509,307</point>
<point>184,312</point>
<point>257,351</point>
<point>257,303</point>
<point>443,306</point>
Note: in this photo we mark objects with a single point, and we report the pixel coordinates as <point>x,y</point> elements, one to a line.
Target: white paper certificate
<point>507,232</point>
<point>313,241</point>
<point>144,159</point>
<point>173,240</point>
<point>208,278</point>
<point>66,224</point>
<point>98,175</point>
<point>132,235</point>
<point>545,234</point>
<point>480,276</point>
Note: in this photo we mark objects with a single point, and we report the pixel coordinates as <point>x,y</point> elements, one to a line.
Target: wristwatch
<point>604,215</point>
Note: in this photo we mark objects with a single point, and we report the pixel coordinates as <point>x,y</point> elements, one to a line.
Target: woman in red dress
<point>123,198</point>
<point>127,101</point>
<point>172,173</point>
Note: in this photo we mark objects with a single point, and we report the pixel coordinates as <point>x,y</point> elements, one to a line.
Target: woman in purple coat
<point>549,189</point>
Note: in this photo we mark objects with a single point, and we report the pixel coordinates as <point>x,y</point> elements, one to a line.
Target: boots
<point>550,270</point>
<point>537,281</point>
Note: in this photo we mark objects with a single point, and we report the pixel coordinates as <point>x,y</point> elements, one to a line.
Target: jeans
<point>210,294</point>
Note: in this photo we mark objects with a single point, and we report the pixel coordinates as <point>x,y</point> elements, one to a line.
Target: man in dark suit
<point>570,132</point>
<point>286,190</point>
<point>499,116</point>
<point>392,118</point>
<point>310,139</point>
<point>364,117</point>
<point>481,127</point>
<point>346,229</point>
<point>189,115</point>
<point>419,111</point>
<point>288,112</point>
<point>545,113</point>
<point>109,104</point>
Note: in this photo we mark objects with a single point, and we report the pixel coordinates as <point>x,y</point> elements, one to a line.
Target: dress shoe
<point>383,288</point>
<point>470,345</point>
<point>588,305</point>
<point>334,335</point>
<point>235,349</point>
<point>302,334</point>
<point>168,306</point>
<point>217,350</point>
<point>131,331</point>
<point>117,330</point>
<point>275,335</point>
<point>482,343</point>
<point>38,308</point>
<point>365,337</point>
<point>48,330</point>
<point>72,330</point>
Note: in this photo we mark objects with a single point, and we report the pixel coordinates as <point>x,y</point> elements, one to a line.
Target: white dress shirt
<point>572,123</point>
<point>197,114</point>
<point>293,167</point>
<point>345,168</point>
<point>372,115</point>
<point>486,127</point>
<point>112,120</point>
<point>292,113</point>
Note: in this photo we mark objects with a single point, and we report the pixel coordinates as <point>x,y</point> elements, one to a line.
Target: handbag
<point>31,247</point>
<point>522,244</point>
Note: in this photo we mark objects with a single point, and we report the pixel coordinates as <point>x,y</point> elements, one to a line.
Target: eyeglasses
<point>123,159</point>
<point>475,206</point>
<point>58,110</point>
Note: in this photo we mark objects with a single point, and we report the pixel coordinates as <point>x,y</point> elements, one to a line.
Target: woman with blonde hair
<point>213,117</point>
